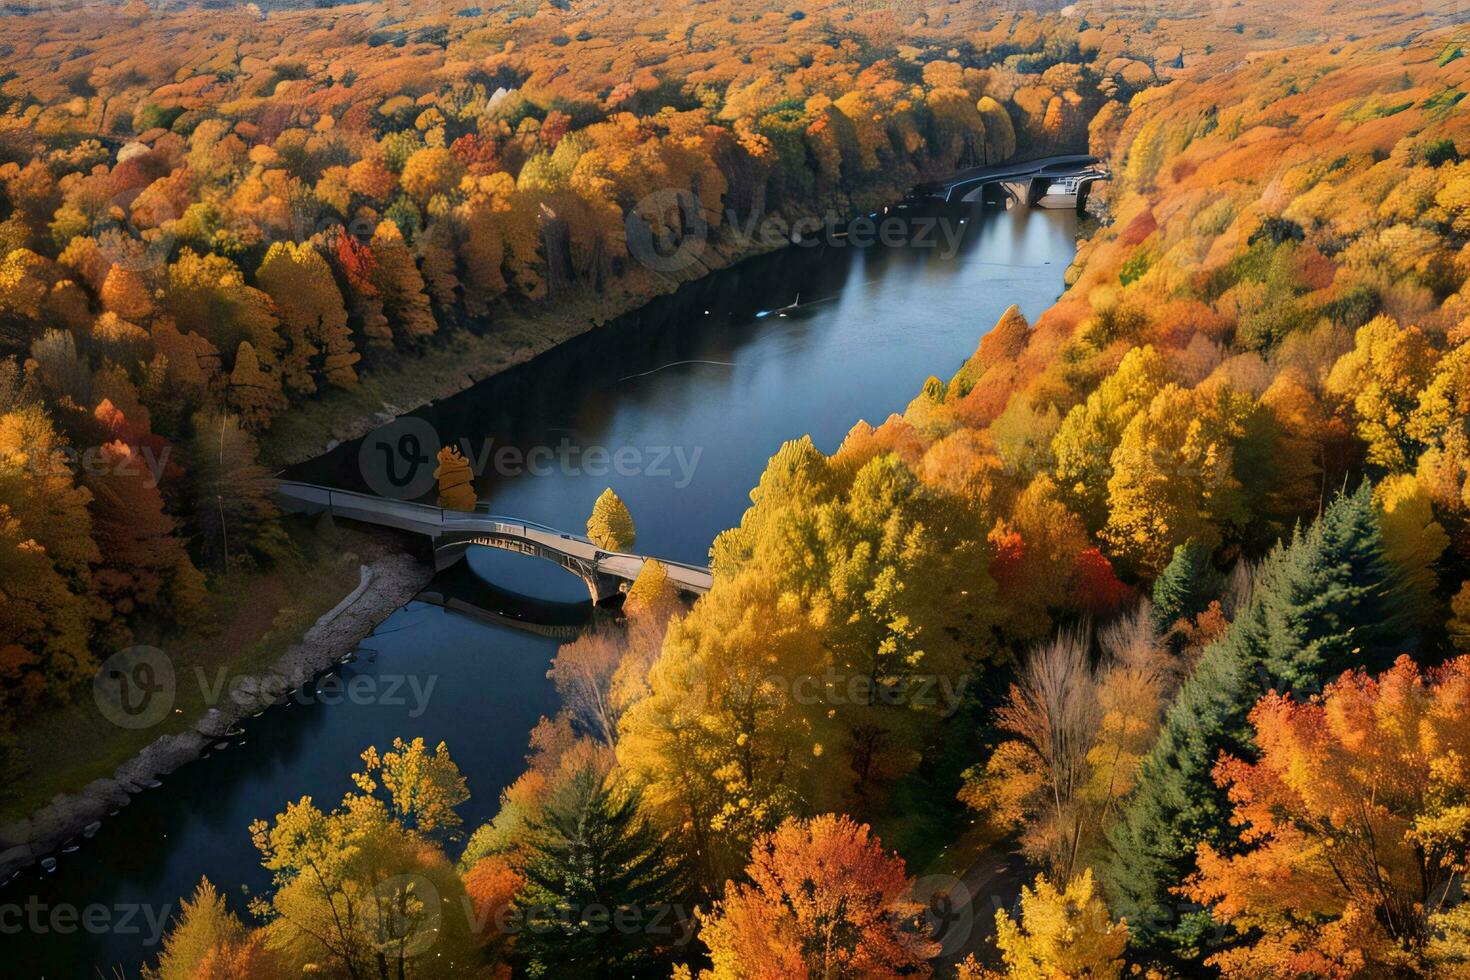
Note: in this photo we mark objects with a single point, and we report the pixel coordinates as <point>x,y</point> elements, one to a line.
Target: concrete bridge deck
<point>1056,181</point>
<point>453,532</point>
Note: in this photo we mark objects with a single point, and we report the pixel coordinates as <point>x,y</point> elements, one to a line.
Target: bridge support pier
<point>606,590</point>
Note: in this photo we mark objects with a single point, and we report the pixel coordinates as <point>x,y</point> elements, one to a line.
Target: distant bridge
<point>452,532</point>
<point>1050,182</point>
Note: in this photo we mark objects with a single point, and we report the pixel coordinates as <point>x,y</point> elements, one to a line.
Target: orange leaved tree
<point>1356,822</point>
<point>825,900</point>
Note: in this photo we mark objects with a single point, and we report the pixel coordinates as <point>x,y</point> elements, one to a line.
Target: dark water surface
<point>695,392</point>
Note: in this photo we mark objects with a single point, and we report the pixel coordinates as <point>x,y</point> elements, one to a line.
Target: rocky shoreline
<point>387,583</point>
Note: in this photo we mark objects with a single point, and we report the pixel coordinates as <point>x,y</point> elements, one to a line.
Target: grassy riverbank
<point>251,620</point>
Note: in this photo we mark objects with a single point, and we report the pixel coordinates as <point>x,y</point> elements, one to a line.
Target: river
<point>677,407</point>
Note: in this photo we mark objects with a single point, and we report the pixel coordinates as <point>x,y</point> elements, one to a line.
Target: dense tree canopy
<point>1354,822</point>
<point>292,199</point>
<point>1250,404</point>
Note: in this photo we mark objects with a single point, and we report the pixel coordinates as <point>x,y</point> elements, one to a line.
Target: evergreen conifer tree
<point>603,888</point>
<point>1185,587</point>
<point>1324,602</point>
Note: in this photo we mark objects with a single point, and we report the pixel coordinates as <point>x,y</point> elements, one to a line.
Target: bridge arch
<point>451,546</point>
<point>1049,182</point>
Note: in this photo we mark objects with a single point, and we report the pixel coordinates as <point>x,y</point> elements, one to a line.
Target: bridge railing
<point>334,499</point>
<point>349,500</point>
<point>485,510</point>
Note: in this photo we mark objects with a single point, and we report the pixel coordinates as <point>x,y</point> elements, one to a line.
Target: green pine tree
<point>603,895</point>
<point>1323,603</point>
<point>1186,586</point>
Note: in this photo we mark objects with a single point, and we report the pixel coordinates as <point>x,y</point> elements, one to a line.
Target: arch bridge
<point>451,533</point>
<point>1047,182</point>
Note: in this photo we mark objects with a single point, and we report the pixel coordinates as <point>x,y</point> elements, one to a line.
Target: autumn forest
<point>1158,603</point>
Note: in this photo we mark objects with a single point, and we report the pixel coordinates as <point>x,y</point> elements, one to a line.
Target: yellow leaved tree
<point>456,480</point>
<point>1061,933</point>
<point>611,526</point>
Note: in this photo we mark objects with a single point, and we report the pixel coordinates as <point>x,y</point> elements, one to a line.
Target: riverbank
<point>116,763</point>
<point>385,581</point>
<point>461,358</point>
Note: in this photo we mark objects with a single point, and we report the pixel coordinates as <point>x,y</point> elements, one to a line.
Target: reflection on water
<point>468,589</point>
<point>701,374</point>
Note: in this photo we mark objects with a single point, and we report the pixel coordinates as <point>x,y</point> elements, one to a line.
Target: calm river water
<point>697,391</point>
